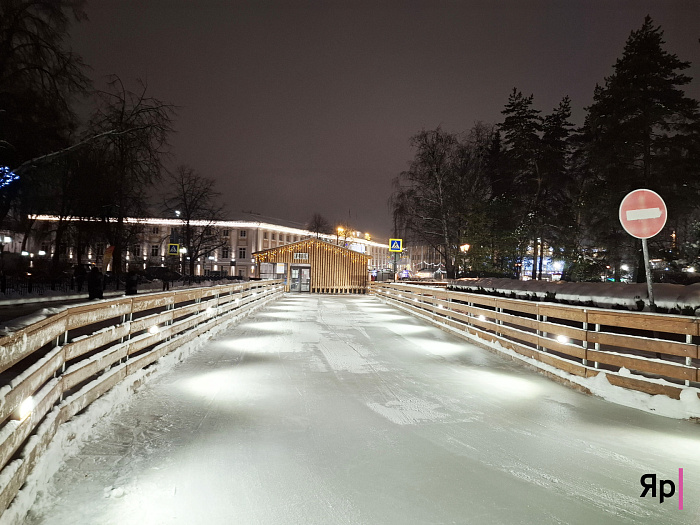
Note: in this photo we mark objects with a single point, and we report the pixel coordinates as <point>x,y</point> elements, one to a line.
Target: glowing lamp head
<point>154,329</point>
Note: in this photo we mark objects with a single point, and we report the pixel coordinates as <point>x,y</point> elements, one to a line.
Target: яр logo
<point>667,488</point>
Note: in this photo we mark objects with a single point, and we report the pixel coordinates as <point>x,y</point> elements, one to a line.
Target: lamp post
<point>183,253</point>
<point>339,231</point>
<point>464,248</point>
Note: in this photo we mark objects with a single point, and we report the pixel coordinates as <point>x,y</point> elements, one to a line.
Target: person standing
<point>79,275</point>
<point>132,280</point>
<point>94,282</point>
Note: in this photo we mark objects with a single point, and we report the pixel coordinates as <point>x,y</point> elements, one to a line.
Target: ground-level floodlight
<point>24,410</point>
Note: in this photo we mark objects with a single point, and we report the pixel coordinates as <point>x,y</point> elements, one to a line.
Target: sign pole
<point>647,268</point>
<point>643,214</point>
<point>395,246</point>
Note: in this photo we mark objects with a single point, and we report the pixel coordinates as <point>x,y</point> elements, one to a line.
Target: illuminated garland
<point>294,247</point>
<point>7,176</point>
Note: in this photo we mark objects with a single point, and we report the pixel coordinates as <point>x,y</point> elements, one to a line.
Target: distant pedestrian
<point>79,275</point>
<point>94,282</point>
<point>132,281</point>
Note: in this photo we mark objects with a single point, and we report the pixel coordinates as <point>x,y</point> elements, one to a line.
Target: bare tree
<point>133,130</point>
<point>439,200</point>
<point>39,77</point>
<point>318,224</point>
<point>194,200</point>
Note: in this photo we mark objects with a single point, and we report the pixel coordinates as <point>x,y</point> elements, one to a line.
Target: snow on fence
<point>54,368</point>
<point>651,353</point>
<point>675,298</point>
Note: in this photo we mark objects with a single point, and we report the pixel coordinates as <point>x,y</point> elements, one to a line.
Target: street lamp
<point>340,231</point>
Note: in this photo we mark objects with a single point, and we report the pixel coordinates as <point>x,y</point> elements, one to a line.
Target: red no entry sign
<point>643,213</point>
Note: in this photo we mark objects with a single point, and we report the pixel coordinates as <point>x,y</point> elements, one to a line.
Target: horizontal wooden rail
<point>659,351</point>
<point>56,367</point>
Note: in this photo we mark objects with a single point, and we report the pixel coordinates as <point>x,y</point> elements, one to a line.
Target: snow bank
<point>688,407</point>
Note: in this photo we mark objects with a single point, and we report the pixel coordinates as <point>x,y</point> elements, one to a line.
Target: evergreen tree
<point>557,195</point>
<point>521,130</point>
<point>641,132</point>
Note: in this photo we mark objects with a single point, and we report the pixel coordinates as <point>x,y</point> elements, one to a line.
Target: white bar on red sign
<point>646,213</point>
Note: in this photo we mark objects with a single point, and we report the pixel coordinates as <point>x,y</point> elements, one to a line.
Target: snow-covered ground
<point>326,410</point>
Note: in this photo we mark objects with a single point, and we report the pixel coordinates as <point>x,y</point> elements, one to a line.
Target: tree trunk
<point>535,255</point>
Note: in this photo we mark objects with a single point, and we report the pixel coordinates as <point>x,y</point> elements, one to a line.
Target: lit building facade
<point>233,257</point>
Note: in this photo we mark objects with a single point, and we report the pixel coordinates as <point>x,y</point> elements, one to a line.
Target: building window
<point>224,252</point>
<point>264,235</point>
<point>136,250</point>
<point>241,253</point>
<point>242,234</point>
<point>155,229</point>
<point>273,236</point>
<point>155,249</point>
<point>225,233</point>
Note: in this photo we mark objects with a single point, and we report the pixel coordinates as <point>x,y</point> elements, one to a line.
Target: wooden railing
<point>652,353</point>
<point>53,369</point>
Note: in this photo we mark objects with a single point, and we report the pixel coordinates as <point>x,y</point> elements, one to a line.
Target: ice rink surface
<point>343,410</point>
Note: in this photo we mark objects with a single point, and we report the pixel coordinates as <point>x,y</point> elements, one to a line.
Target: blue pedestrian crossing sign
<point>395,245</point>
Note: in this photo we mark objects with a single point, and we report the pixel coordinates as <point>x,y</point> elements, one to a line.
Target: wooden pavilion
<point>316,266</point>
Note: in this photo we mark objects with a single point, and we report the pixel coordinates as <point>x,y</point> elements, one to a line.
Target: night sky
<point>297,107</point>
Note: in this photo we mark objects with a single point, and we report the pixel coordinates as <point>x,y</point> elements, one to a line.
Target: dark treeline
<point>100,168</point>
<point>534,185</point>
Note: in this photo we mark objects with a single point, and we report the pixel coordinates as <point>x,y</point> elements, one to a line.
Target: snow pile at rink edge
<point>73,434</point>
<point>687,407</point>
